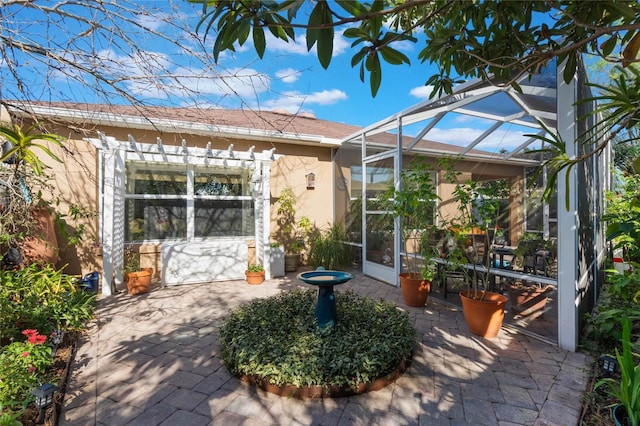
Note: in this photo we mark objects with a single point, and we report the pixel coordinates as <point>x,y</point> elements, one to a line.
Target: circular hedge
<point>276,344</point>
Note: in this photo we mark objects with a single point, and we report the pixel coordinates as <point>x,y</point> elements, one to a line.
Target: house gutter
<point>177,126</point>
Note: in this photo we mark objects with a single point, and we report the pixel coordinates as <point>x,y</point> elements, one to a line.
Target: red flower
<point>29,332</point>
<point>24,354</point>
<point>31,370</point>
<point>37,339</point>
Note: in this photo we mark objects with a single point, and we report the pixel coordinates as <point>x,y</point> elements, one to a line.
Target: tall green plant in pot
<point>414,202</point>
<point>293,234</point>
<point>479,209</point>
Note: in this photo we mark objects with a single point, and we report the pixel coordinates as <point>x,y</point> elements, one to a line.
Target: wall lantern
<point>311,181</point>
<point>44,398</point>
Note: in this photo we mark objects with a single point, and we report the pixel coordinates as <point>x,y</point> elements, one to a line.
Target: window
<point>174,202</point>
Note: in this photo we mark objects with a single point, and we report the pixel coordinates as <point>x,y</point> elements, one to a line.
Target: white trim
<point>567,217</point>
<point>177,126</point>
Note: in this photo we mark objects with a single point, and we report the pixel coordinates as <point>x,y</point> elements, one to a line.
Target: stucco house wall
<point>303,145</point>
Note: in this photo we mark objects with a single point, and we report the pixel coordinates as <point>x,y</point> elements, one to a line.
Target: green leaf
<point>259,41</point>
<point>321,17</point>
<point>570,67</point>
<point>355,33</point>
<point>354,8</point>
<point>375,73</point>
<point>393,57</point>
<point>315,20</point>
<point>359,56</point>
<point>609,44</point>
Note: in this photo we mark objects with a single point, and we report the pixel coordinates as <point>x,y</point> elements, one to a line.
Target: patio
<point>153,359</point>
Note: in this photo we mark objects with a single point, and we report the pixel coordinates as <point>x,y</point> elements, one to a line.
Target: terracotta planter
<point>42,245</point>
<point>138,282</point>
<point>415,289</point>
<point>484,317</point>
<point>254,278</point>
<point>526,300</point>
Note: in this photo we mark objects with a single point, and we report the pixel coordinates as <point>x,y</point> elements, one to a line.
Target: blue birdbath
<point>326,304</point>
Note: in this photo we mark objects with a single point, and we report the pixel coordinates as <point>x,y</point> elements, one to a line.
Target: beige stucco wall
<point>76,182</point>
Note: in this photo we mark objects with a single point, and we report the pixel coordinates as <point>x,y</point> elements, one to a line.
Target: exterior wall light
<point>311,180</point>
<point>44,398</point>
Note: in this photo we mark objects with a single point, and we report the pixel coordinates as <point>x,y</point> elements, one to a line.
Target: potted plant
<point>625,388</point>
<point>414,203</point>
<point>138,279</point>
<point>479,205</point>
<point>292,234</point>
<point>255,274</point>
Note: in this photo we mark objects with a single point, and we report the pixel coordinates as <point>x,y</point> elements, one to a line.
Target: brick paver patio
<point>153,359</point>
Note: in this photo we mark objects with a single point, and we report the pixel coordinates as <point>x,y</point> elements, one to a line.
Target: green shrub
<point>619,299</point>
<point>23,366</point>
<point>276,339</point>
<point>41,298</point>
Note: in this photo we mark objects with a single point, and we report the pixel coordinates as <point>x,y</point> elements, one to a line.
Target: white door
<point>379,243</point>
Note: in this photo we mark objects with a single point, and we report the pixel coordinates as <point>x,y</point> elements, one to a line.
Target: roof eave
<point>177,126</point>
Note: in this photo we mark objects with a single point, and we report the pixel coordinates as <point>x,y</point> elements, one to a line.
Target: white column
<point>568,221</point>
<point>263,245</point>
<point>112,216</point>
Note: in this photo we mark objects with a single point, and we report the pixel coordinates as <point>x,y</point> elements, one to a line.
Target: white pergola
<point>114,155</point>
<point>543,102</point>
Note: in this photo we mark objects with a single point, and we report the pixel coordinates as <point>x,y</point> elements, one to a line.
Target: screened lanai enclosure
<point>504,143</point>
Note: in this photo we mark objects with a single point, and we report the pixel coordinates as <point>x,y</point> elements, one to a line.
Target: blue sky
<point>175,67</point>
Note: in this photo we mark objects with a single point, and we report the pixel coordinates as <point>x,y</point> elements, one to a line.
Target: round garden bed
<point>276,344</point>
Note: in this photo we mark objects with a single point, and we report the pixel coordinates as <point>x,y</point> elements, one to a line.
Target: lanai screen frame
<point>581,239</point>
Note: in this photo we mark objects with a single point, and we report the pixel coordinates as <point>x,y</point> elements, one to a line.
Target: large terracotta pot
<point>526,300</point>
<point>254,277</point>
<point>138,282</point>
<point>483,316</point>
<point>415,289</point>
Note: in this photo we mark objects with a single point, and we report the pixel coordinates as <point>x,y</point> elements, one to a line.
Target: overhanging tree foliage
<point>498,40</point>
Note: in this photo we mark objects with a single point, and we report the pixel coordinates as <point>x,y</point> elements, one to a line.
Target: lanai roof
<point>508,117</point>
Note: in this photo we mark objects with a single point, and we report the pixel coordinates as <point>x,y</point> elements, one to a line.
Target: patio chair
<point>536,260</point>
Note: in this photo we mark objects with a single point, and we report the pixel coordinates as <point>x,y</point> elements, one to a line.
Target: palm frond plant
<point>626,389</point>
<point>18,147</point>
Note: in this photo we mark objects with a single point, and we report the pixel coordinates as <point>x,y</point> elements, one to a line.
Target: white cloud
<point>421,92</point>
<point>463,136</point>
<point>288,75</point>
<point>185,82</point>
<point>298,102</point>
<point>152,21</point>
<point>299,46</point>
